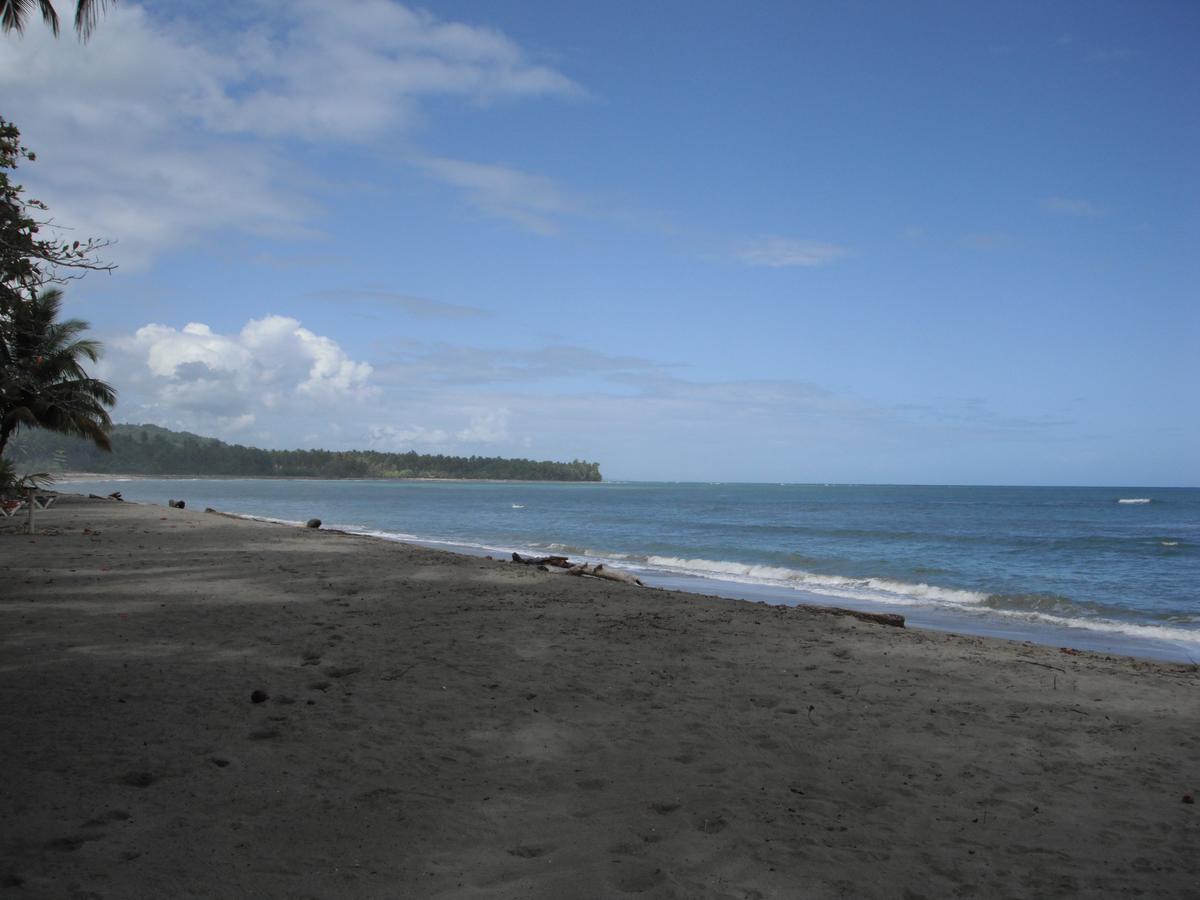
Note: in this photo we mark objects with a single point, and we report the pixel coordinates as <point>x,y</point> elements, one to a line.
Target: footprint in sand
<point>712,825</point>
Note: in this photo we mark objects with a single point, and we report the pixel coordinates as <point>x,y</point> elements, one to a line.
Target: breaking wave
<point>1046,609</point>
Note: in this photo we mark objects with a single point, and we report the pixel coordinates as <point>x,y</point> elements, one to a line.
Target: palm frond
<point>86,14</point>
<point>14,12</point>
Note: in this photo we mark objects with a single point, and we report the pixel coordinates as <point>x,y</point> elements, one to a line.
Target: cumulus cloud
<point>273,366</point>
<point>276,383</point>
<point>781,252</point>
<point>170,130</point>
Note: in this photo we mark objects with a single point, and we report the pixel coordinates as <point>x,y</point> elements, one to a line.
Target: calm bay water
<point>1083,567</point>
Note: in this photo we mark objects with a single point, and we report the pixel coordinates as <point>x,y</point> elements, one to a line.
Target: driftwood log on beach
<point>562,565</point>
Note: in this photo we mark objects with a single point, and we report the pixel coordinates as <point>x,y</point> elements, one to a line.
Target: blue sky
<point>932,242</point>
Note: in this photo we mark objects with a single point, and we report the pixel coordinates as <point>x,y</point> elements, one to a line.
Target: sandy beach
<point>194,705</point>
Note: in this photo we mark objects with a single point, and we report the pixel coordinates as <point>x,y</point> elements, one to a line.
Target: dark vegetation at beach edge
<point>153,450</point>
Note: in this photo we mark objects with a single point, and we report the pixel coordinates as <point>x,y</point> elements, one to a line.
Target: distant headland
<point>153,450</point>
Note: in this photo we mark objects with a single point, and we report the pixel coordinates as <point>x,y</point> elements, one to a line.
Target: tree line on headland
<point>151,450</point>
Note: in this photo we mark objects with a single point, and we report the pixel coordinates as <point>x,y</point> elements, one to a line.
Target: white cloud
<point>444,364</point>
<point>531,202</point>
<point>780,252</point>
<point>487,426</point>
<point>160,130</point>
<point>1065,206</point>
<point>277,383</point>
<point>273,366</point>
<point>401,438</point>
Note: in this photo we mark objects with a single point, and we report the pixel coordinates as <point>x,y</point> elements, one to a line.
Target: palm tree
<point>14,12</point>
<point>42,380</point>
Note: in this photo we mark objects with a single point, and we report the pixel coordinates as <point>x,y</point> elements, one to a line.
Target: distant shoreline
<point>70,477</point>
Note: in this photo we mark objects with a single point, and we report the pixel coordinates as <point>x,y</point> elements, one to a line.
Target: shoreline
<point>1149,640</point>
<point>432,724</point>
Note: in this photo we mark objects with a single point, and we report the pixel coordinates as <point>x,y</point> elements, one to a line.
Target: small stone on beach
<point>259,697</point>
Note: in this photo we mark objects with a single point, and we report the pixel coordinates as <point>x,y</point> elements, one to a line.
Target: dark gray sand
<point>193,705</point>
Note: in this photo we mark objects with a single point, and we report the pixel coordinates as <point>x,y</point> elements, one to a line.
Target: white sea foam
<point>900,593</point>
<point>875,590</point>
<point>270,519</point>
<point>1134,500</point>
<point>1184,636</point>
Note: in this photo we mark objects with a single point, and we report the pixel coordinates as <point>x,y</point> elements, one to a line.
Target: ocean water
<point>1111,569</point>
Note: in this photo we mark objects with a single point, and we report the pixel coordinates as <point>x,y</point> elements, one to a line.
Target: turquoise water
<point>1071,566</point>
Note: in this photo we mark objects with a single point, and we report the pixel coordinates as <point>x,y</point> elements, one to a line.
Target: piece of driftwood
<point>560,562</point>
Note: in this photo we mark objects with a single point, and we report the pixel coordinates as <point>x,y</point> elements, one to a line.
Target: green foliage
<point>14,485</point>
<point>151,450</point>
<point>42,380</point>
<point>27,259</point>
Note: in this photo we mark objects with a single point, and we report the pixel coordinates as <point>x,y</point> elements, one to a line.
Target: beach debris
<point>558,561</point>
<point>1188,798</point>
<point>313,523</point>
<point>175,504</point>
<point>259,696</point>
<point>563,566</point>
